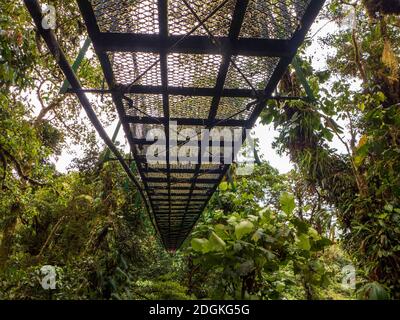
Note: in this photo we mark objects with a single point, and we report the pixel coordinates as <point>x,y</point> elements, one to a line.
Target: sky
<point>264,134</point>
<point>267,134</point>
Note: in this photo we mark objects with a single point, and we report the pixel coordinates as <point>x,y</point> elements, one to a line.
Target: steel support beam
<point>127,42</point>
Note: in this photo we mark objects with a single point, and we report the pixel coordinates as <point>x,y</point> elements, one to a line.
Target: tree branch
<point>18,167</point>
<point>52,232</point>
<point>54,104</point>
<point>4,162</point>
<point>357,58</point>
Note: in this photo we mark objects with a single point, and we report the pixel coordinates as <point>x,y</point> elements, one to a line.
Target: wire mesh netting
<point>247,72</point>
<point>189,107</point>
<point>184,17</point>
<point>275,19</point>
<point>136,68</point>
<point>189,70</point>
<point>201,64</point>
<point>129,16</point>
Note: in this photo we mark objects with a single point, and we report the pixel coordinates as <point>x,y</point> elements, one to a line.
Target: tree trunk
<point>8,236</point>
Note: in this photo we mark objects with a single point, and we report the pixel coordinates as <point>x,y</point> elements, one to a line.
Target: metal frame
<point>175,219</point>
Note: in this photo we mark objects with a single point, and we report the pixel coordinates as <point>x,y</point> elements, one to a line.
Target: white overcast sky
<point>265,134</point>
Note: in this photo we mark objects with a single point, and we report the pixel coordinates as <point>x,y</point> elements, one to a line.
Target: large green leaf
<point>301,226</point>
<point>243,228</point>
<point>287,203</point>
<point>374,291</point>
<point>313,233</point>
<point>215,243</point>
<point>304,242</point>
<point>321,244</point>
<point>199,244</point>
<point>221,231</point>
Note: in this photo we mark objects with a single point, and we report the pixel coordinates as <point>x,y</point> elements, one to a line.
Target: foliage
<point>259,252</point>
<point>263,236</point>
<point>360,88</point>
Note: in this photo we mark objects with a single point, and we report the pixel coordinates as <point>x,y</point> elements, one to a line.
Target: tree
<point>362,184</point>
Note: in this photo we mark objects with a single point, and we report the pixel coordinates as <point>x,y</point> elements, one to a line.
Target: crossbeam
<point>127,42</point>
<point>200,64</point>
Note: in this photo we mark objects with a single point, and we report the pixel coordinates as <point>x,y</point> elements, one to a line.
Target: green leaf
<point>313,233</point>
<point>246,267</point>
<point>389,207</point>
<point>215,243</point>
<point>287,203</point>
<point>267,118</point>
<point>223,186</point>
<point>199,244</point>
<point>374,291</point>
<point>237,247</point>
<point>243,228</point>
<point>362,151</point>
<point>280,286</point>
<point>304,242</point>
<point>301,226</point>
<point>381,96</point>
<point>321,244</point>
<point>268,253</point>
<point>221,230</point>
<point>358,160</point>
<point>252,218</point>
<point>232,220</point>
<point>257,235</point>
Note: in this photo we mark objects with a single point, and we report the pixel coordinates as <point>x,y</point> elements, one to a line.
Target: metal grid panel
<point>250,72</point>
<point>235,108</point>
<point>182,54</point>
<point>273,19</point>
<point>193,70</point>
<point>126,16</point>
<point>182,21</point>
<point>144,104</point>
<point>140,68</point>
<point>189,107</point>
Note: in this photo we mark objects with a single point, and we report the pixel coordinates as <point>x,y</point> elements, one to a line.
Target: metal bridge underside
<point>201,63</point>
